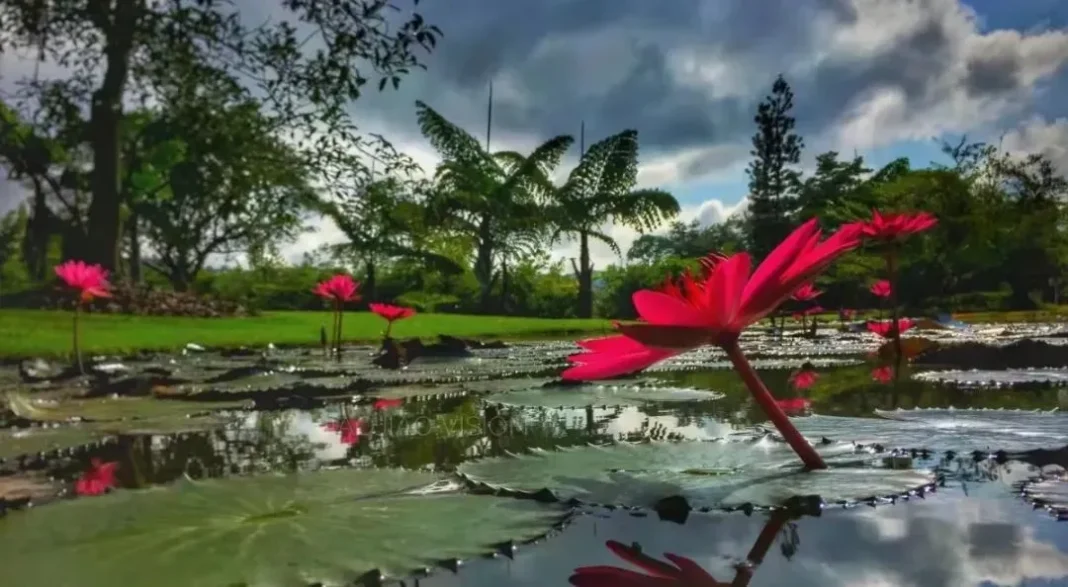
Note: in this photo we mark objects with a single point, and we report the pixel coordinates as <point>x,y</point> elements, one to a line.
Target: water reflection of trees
<point>849,391</point>
<point>1011,469</point>
<point>430,433</point>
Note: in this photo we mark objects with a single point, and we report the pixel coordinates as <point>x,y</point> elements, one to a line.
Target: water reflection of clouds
<point>946,540</point>
<point>292,427</point>
<point>328,445</point>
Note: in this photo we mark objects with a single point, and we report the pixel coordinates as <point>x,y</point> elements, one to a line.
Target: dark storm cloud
<point>993,73</point>
<point>485,41</point>
<point>606,62</point>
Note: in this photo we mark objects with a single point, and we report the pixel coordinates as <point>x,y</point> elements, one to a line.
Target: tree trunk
<point>118,26</point>
<point>179,278</point>
<point>134,234</point>
<point>484,266</point>
<point>38,234</point>
<point>504,287</point>
<point>369,282</point>
<point>584,274</point>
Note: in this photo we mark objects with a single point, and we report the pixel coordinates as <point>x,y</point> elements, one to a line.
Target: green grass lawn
<point>38,333</point>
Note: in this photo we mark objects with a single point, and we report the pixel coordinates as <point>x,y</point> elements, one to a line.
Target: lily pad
<point>707,474</point>
<point>577,396</point>
<point>978,378</point>
<point>28,441</point>
<point>416,391</point>
<point>166,425</point>
<point>108,409</point>
<point>947,429</point>
<point>328,527</point>
<point>1050,494</point>
<point>257,381</point>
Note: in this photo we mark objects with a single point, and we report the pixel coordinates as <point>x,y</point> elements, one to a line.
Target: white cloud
<point>708,212</point>
<point>945,100</point>
<point>1038,135</point>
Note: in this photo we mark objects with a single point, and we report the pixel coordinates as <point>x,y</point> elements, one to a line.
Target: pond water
<point>279,467</point>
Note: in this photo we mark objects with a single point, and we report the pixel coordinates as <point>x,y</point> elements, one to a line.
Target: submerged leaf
<point>708,474</point>
<point>328,527</point>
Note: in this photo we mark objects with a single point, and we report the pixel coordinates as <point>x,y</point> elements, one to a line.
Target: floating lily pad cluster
<point>353,525</point>
<point>986,430</point>
<point>989,378</point>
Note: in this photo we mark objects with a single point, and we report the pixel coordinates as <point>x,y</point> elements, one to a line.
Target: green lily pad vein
<point>707,473</point>
<point>329,527</point>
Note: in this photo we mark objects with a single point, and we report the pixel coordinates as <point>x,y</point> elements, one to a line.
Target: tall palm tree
<point>494,197</point>
<point>379,222</point>
<point>600,189</point>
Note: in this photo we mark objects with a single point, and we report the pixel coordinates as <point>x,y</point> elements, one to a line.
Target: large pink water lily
<point>715,309</point>
<point>612,354</point>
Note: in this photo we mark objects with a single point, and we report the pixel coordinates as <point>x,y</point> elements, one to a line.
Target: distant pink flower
<point>97,479</point>
<point>894,227</point>
<point>91,281</point>
<point>339,288</point>
<point>885,328</point>
<point>806,293</point>
<point>683,572</point>
<point>814,310</point>
<point>883,374</point>
<point>881,289</point>
<point>350,429</point>
<point>387,404</point>
<point>803,378</point>
<point>392,313</point>
<point>847,313</point>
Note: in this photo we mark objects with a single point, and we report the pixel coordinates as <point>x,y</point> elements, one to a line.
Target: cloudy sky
<point>884,78</point>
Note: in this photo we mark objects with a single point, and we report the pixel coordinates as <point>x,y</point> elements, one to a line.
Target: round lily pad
<point>708,474</point>
<point>595,394</point>
<point>15,442</point>
<point>1049,493</point>
<point>108,409</point>
<point>979,378</point>
<point>945,429</point>
<point>329,527</point>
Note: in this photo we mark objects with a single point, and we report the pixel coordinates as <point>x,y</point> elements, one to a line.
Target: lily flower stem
<point>333,332</point>
<point>77,348</point>
<point>804,450</point>
<point>760,549</point>
<point>340,313</point>
<point>891,270</point>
